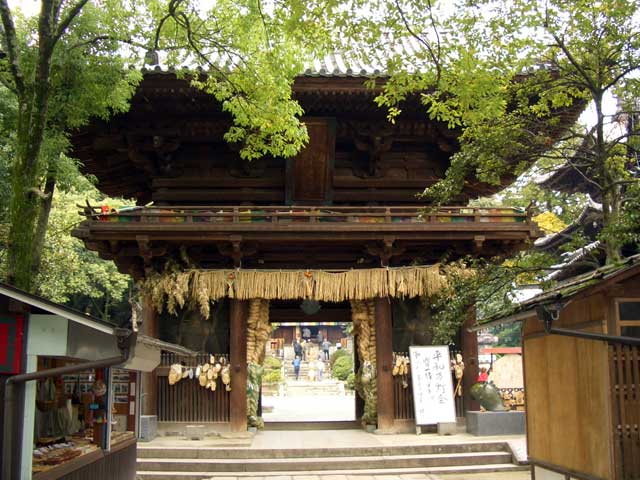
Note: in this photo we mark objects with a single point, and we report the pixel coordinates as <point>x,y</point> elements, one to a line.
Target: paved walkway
<point>470,476</point>
<point>315,439</point>
<point>301,408</point>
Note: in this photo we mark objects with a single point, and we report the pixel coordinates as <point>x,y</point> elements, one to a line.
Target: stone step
<point>322,463</point>
<point>314,425</point>
<point>406,472</point>
<point>293,390</point>
<point>198,451</point>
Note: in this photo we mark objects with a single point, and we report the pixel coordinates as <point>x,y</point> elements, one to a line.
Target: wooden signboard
<point>432,387</point>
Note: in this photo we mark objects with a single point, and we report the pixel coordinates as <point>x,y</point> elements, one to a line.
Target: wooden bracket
<point>478,241</point>
<point>145,250</point>
<point>373,142</point>
<point>236,250</point>
<point>385,250</point>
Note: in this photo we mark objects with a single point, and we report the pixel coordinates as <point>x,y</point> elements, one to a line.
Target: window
<point>628,317</point>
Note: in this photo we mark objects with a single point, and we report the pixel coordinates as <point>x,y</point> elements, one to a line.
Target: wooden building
<point>581,349</point>
<point>345,206</point>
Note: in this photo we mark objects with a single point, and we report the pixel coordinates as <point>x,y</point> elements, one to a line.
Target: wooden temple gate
<point>346,203</point>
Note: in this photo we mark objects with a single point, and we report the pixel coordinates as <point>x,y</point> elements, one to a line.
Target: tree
<point>58,79</point>
<point>71,274</point>
<point>507,73</point>
<point>71,63</point>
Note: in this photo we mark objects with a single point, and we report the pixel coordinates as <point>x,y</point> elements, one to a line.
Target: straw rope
<point>204,286</point>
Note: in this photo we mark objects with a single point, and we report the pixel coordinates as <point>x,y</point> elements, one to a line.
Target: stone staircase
<point>304,370</point>
<point>166,463</point>
<point>326,387</point>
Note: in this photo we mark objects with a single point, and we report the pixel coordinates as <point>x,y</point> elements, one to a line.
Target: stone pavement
<point>472,476</point>
<point>318,408</point>
<point>315,439</point>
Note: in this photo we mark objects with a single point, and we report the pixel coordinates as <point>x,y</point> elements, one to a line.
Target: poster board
<point>432,387</point>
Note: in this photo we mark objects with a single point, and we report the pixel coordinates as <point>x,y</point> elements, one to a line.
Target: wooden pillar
<point>469,346</point>
<point>238,312</point>
<point>384,361</point>
<point>149,380</point>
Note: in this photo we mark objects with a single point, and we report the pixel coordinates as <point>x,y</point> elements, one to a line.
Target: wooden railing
<point>285,215</point>
<point>187,401</point>
<point>624,364</point>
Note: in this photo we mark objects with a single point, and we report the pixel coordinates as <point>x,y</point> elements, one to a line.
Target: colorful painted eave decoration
<point>11,344</point>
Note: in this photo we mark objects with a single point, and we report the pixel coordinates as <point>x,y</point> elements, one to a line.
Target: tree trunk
<point>41,227</point>
<point>611,194</point>
<point>24,212</point>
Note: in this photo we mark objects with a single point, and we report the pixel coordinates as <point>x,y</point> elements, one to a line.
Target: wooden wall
<point>567,392</point>
<point>206,172</point>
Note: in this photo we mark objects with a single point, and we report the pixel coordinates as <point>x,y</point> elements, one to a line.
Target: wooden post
<point>384,360</point>
<point>238,358</point>
<point>149,381</point>
<point>469,342</point>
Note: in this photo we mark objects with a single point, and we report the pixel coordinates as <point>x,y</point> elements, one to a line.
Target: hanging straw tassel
<point>201,287</point>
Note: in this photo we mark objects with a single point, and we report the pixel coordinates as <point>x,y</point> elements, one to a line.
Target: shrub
<point>351,381</point>
<point>336,355</point>
<point>342,367</point>
<point>272,376</point>
<point>272,370</point>
<point>272,362</point>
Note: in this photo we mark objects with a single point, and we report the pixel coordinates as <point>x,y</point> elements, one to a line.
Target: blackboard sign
<point>432,387</point>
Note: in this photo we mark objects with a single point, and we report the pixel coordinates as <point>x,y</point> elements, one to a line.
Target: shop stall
<point>71,388</point>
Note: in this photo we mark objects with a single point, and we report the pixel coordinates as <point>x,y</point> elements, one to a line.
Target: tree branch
<point>435,58</point>
<point>66,21</point>
<point>561,45</point>
<point>9,43</point>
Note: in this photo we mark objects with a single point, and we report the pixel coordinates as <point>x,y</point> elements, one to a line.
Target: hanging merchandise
<point>457,366</point>
<point>226,375</point>
<point>401,368</point>
<point>175,373</point>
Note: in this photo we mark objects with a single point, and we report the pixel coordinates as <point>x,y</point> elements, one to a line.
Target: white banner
<point>432,387</point>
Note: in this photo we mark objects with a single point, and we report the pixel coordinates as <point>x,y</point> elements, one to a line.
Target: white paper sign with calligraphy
<point>432,387</point>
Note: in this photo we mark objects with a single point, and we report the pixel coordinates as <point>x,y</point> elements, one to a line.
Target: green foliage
<point>486,284</point>
<point>351,381</point>
<point>342,367</point>
<point>336,355</point>
<point>69,272</point>
<point>272,362</point>
<point>272,370</point>
<point>508,335</point>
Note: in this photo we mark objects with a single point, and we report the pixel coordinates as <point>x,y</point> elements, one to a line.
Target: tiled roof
<point>591,212</point>
<point>565,290</point>
<point>332,65</point>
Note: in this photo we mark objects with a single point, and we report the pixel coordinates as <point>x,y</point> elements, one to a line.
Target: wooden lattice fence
<point>624,363</point>
<point>187,401</point>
